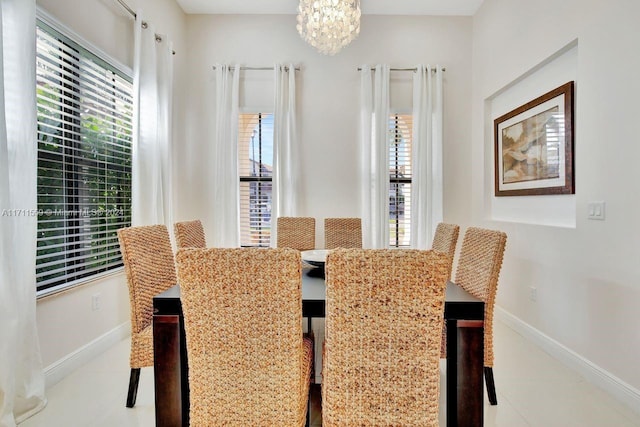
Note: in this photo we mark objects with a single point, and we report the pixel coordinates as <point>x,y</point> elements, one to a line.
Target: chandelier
<point>329,25</point>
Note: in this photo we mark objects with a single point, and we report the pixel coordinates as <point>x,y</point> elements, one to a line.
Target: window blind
<point>255,153</point>
<point>400,174</point>
<point>84,160</point>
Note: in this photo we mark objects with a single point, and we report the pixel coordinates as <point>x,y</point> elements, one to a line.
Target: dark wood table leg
<point>465,360</point>
<point>171,387</point>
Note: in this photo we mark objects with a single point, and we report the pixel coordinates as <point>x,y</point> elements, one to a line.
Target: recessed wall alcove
<point>549,210</point>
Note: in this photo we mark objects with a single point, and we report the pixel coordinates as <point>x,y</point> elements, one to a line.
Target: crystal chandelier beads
<point>329,25</point>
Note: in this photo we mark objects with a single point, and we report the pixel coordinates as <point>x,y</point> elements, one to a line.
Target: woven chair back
<point>383,330</point>
<point>149,265</point>
<point>478,269</point>
<point>342,233</point>
<point>296,233</point>
<point>189,234</point>
<point>243,324</point>
<point>445,240</point>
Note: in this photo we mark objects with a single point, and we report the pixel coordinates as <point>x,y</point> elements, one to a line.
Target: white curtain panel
<point>426,198</point>
<point>21,373</point>
<point>374,146</point>
<point>284,143</point>
<point>225,207</point>
<point>151,165</point>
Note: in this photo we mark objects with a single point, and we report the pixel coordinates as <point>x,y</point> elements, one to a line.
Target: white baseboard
<point>611,384</point>
<point>63,367</point>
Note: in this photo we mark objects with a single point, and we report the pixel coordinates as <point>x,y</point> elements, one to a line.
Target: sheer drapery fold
<point>151,153</point>
<point>284,145</point>
<point>21,373</point>
<point>225,207</point>
<point>374,166</point>
<point>427,182</point>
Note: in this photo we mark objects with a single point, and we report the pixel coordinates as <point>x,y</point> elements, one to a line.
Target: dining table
<point>463,316</point>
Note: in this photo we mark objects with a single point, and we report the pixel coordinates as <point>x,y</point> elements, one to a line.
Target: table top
<point>315,257</point>
<point>313,288</point>
<point>459,304</point>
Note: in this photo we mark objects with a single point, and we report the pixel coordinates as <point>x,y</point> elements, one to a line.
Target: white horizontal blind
<point>255,154</point>
<point>84,160</point>
<point>400,173</point>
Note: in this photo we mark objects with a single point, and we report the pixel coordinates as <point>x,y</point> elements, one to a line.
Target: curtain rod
<point>128,9</point>
<point>414,69</point>
<point>242,68</point>
<point>144,24</point>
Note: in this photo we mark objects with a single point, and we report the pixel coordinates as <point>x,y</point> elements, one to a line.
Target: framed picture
<point>534,146</point>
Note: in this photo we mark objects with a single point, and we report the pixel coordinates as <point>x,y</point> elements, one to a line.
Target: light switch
<point>595,210</point>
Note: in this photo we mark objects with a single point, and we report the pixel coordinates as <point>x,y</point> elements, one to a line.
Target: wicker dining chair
<point>296,232</point>
<point>149,266</point>
<point>477,272</point>
<point>189,234</point>
<point>381,357</point>
<point>248,362</point>
<point>342,233</point>
<point>445,240</point>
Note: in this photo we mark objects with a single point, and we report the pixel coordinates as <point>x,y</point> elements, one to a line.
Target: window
<point>400,173</point>
<point>255,153</point>
<point>84,160</point>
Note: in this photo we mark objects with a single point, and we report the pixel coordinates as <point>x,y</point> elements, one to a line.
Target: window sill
<point>55,290</point>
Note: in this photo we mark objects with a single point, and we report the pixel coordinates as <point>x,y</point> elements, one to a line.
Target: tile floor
<point>533,390</point>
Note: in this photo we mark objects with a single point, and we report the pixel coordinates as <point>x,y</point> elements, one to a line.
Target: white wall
<point>328,96</point>
<point>66,323</point>
<point>586,275</point>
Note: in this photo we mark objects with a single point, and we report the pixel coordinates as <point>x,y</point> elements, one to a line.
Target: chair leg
<point>134,378</point>
<point>311,336</point>
<point>491,385</point>
<point>308,421</point>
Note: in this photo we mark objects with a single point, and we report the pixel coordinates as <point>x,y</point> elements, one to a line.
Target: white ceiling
<point>368,7</point>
